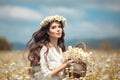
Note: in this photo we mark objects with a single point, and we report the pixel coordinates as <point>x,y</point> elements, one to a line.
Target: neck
<point>54,42</point>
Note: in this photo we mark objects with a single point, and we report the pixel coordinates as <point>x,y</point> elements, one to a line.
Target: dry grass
<point>14,66</point>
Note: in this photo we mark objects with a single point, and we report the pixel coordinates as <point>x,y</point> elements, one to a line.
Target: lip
<point>58,33</point>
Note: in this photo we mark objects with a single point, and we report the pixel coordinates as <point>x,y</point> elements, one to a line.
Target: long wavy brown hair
<point>39,39</point>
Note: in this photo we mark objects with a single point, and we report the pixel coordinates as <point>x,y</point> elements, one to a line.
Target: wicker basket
<point>79,69</point>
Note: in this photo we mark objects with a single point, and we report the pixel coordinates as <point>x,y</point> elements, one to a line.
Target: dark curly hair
<point>39,39</point>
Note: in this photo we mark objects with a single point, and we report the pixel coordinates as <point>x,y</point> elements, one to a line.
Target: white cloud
<point>112,5</point>
<point>16,12</point>
<point>91,30</point>
<point>71,12</point>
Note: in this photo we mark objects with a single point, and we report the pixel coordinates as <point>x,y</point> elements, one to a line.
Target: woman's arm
<point>44,68</point>
<point>63,66</point>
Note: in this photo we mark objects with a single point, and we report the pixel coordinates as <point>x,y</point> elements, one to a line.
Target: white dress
<point>54,59</point>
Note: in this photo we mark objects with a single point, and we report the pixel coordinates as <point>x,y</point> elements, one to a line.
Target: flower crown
<point>53,18</point>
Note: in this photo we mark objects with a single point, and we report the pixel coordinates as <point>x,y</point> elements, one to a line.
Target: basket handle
<point>83,45</point>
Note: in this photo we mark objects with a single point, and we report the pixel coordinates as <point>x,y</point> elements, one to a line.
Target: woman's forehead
<point>55,23</point>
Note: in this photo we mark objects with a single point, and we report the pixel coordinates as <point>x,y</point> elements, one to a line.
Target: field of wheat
<point>14,65</point>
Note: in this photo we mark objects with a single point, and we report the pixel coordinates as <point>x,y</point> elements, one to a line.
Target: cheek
<point>51,32</point>
<point>61,30</point>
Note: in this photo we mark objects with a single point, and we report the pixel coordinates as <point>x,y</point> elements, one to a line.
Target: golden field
<point>14,65</point>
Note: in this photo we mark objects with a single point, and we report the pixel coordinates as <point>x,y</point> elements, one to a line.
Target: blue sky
<point>86,19</point>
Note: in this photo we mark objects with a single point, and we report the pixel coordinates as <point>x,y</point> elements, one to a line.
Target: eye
<point>53,27</point>
<point>60,26</point>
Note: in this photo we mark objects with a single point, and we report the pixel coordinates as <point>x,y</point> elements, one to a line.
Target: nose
<point>58,29</point>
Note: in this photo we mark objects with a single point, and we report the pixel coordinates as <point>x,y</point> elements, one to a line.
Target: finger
<point>72,64</point>
<point>72,61</point>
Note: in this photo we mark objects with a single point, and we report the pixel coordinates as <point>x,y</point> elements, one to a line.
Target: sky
<point>86,19</point>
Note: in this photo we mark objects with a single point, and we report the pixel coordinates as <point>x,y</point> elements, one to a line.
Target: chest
<point>55,55</point>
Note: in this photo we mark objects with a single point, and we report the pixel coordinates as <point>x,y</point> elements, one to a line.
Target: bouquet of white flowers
<point>81,57</point>
<point>78,54</point>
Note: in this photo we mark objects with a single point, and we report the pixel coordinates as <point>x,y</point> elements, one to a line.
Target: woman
<point>47,45</point>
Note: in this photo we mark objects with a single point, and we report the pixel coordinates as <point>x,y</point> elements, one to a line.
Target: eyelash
<point>60,26</point>
<point>55,26</point>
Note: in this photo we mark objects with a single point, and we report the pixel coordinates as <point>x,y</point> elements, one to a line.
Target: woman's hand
<point>70,63</point>
<point>67,63</point>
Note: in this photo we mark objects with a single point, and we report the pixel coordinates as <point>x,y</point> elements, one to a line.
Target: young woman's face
<point>55,30</point>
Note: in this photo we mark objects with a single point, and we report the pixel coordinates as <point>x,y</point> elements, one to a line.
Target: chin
<point>58,37</point>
